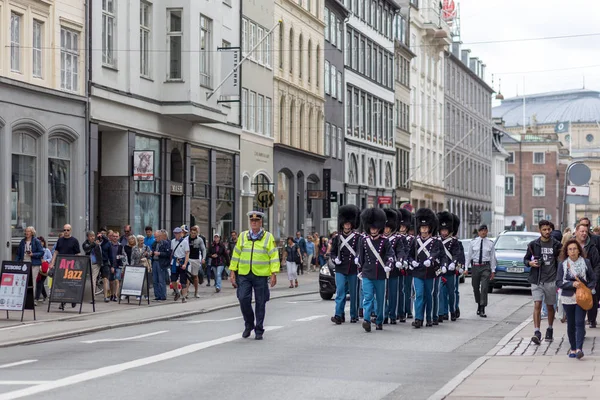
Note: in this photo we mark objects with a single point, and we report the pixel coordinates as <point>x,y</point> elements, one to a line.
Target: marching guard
<point>448,277</point>
<point>391,295</point>
<point>406,222</point>
<point>460,266</point>
<point>424,256</point>
<point>344,249</point>
<point>375,261</point>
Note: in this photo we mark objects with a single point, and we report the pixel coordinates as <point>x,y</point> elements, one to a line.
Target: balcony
<point>436,28</point>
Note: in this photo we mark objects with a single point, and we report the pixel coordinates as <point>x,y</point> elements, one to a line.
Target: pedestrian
<point>179,262</point>
<point>323,251</point>
<point>446,285</point>
<point>310,253</point>
<point>405,282</point>
<point>255,258</point>
<point>149,239</point>
<point>302,244</point>
<point>94,251</point>
<point>40,288</point>
<point>460,266</point>
<point>65,245</point>
<point>344,249</point>
<point>375,259</point>
<point>126,232</point>
<point>391,292</point>
<point>293,258</point>
<point>118,260</point>
<point>424,256</point>
<point>217,252</point>
<point>542,256</point>
<point>31,250</point>
<point>590,252</point>
<point>574,267</point>
<point>161,257</point>
<point>482,259</point>
<point>197,256</point>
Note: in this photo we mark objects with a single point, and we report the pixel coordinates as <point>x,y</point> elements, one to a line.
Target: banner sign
<point>143,165</point>
<point>230,57</point>
<point>16,287</point>
<point>133,282</point>
<point>68,282</point>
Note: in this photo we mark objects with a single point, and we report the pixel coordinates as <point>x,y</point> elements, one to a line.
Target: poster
<point>143,165</point>
<point>13,286</point>
<point>133,281</point>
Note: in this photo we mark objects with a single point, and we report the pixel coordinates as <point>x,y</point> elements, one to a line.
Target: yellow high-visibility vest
<point>260,255</point>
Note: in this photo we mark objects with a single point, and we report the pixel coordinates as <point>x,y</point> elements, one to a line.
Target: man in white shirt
<point>482,259</point>
<point>179,262</point>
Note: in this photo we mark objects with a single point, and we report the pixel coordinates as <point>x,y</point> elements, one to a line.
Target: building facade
<point>298,156</point>
<point>370,153</point>
<point>500,155</point>
<point>256,159</point>
<point>403,58</point>
<point>468,140</point>
<point>156,67</point>
<point>42,119</point>
<point>429,37</point>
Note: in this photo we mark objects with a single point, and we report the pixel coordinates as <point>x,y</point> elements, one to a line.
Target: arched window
<point>59,170</point>
<point>388,175</point>
<point>291,51</point>
<point>353,170</point>
<point>281,41</point>
<point>301,134</point>
<point>318,65</point>
<point>372,174</point>
<point>309,65</point>
<point>282,119</point>
<point>292,123</point>
<point>300,56</point>
<point>309,132</point>
<point>24,182</point>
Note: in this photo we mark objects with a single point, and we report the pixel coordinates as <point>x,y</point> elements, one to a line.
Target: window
<point>281,32</point>
<point>259,114</point>
<point>300,57</point>
<point>291,51</point>
<point>326,24</point>
<point>252,41</point>
<point>259,51</point>
<point>251,111</point>
<point>339,86</point>
<point>205,51</point>
<point>339,143</point>
<point>145,17</point>
<point>108,37</point>
<point>69,60</point>
<point>539,185</point>
<point>174,37</point>
<point>38,29</point>
<point>333,141</point>
<point>338,32</point>
<point>327,91</point>
<point>333,82</point>
<point>348,46</point>
<point>24,182</point>
<point>267,50</point>
<point>327,138</point>
<point>368,70</point>
<point>16,21</point>
<point>59,170</point>
<point>509,185</point>
<point>589,137</point>
<point>244,37</point>
<point>309,70</point>
<point>511,157</point>
<point>268,117</point>
<point>538,215</point>
<point>539,158</point>
<point>361,56</point>
<point>318,64</point>
<point>244,105</point>
<point>332,28</point>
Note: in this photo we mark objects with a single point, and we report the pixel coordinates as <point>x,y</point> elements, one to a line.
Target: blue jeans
<point>247,283</point>
<point>405,288</point>
<point>340,294</point>
<point>374,291</point>
<point>391,305</point>
<point>447,295</point>
<point>575,325</point>
<point>436,297</point>
<point>158,281</point>
<point>217,272</point>
<point>423,297</point>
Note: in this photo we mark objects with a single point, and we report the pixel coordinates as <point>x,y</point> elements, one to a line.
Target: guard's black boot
<point>336,320</point>
<point>453,316</point>
<point>482,313</point>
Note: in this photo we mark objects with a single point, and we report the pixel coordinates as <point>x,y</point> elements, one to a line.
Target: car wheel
<point>326,296</point>
<point>490,288</point>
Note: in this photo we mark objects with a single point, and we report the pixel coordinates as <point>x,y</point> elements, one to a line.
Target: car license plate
<point>518,270</point>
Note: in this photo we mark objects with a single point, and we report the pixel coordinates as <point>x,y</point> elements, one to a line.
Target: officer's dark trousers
<point>247,283</point>
<point>480,281</point>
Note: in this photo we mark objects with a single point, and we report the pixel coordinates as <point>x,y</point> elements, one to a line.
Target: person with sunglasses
<point>66,245</point>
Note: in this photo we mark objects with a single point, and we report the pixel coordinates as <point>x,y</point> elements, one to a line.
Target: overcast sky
<point>490,20</point>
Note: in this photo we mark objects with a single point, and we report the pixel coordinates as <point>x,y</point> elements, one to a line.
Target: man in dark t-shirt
<point>66,245</point>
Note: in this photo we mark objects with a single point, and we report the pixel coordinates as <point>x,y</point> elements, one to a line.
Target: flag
<point>562,127</point>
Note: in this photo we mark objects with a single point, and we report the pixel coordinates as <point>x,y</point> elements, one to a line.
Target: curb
<point>66,335</point>
<point>449,387</point>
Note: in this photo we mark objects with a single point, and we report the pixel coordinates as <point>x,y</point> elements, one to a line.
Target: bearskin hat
<point>373,217</point>
<point>405,218</point>
<point>348,213</point>
<point>446,221</point>
<point>392,219</point>
<point>456,224</point>
<point>426,217</point>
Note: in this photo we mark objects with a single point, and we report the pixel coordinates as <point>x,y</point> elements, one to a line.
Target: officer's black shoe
<point>410,316</point>
<point>379,327</point>
<point>478,310</point>
<point>402,319</point>
<point>482,313</point>
<point>246,333</point>
<point>453,316</point>
<point>457,313</point>
<point>393,322</point>
<point>360,313</point>
<point>441,319</point>
<point>435,322</point>
<point>353,320</point>
<point>366,326</point>
<point>446,317</point>
<point>385,321</point>
<point>428,324</point>
<point>258,336</point>
<point>336,320</point>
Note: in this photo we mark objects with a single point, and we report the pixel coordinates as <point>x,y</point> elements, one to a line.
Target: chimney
<point>465,56</point>
<point>456,49</point>
<point>482,71</point>
<point>473,64</point>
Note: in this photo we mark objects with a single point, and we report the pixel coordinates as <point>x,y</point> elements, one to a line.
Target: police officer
<point>459,266</point>
<point>424,258</point>
<point>482,259</point>
<point>344,248</point>
<point>406,279</point>
<point>448,279</point>
<point>255,258</point>
<point>391,298</point>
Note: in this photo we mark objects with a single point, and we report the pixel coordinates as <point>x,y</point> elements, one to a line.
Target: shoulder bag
<point>583,295</point>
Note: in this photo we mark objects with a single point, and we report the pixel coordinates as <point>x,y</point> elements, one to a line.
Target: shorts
<point>181,275</point>
<point>545,292</point>
<point>116,276</point>
<point>105,271</point>
<point>195,267</point>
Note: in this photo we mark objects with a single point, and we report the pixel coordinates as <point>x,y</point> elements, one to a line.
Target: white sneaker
<point>197,296</point>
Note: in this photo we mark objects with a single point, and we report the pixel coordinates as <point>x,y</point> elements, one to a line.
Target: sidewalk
<point>58,324</point>
<point>520,369</point>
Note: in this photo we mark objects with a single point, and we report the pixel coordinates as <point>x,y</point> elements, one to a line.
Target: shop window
<point>59,171</point>
<point>225,194</point>
<point>23,182</point>
<point>147,193</point>
<point>200,179</point>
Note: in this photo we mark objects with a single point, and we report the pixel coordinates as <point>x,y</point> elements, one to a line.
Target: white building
<point>153,66</point>
<point>500,155</point>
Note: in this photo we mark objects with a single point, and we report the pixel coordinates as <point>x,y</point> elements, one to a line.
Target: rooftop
<point>577,106</point>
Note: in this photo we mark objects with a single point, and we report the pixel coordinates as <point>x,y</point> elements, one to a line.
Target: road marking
<point>304,301</point>
<point>29,383</point>
<point>17,363</point>
<point>124,339</point>
<point>311,318</point>
<point>115,369</point>
<point>212,320</point>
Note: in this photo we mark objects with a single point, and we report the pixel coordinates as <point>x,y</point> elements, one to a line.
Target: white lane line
<point>115,369</point>
<point>27,383</point>
<point>17,363</point>
<point>305,301</point>
<point>124,339</point>
<point>212,320</point>
<point>311,318</point>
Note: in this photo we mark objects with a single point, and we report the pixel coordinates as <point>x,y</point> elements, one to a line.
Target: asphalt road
<point>303,356</point>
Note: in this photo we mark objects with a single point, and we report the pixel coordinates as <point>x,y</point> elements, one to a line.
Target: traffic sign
<point>265,199</point>
<point>573,190</point>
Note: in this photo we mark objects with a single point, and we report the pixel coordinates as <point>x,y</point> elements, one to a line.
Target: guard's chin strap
<point>375,236</point>
<point>347,231</point>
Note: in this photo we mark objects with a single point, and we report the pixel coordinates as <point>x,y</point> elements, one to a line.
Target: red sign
<point>448,10</point>
<point>384,200</point>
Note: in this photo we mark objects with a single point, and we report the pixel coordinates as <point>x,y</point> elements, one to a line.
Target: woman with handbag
<point>576,278</point>
<point>292,257</point>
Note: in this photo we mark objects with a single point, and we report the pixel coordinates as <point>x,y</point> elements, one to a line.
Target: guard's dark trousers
<point>260,284</point>
<point>480,280</point>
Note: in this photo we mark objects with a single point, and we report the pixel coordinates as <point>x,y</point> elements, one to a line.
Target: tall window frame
<point>16,38</point>
<point>37,48</point>
<point>205,63</point>
<point>24,181</point>
<point>59,171</point>
<point>145,38</point>
<point>109,18</point>
<point>175,41</point>
<point>69,60</point>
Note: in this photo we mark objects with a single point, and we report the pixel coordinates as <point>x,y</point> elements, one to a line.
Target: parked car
<point>327,282</point>
<point>511,247</point>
